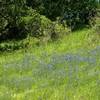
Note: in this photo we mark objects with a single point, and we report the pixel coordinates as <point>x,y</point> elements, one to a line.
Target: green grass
<point>43,73</point>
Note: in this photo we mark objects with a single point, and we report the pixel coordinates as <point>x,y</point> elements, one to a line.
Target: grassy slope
<point>35,81</point>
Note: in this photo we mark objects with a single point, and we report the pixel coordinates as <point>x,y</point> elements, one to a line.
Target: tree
<point>75,12</point>
<point>10,14</point>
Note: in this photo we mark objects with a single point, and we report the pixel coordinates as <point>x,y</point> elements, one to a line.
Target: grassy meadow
<point>68,69</point>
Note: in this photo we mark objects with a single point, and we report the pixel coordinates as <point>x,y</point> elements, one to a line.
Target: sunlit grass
<point>68,69</point>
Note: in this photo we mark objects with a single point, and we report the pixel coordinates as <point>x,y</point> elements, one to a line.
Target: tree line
<point>19,18</point>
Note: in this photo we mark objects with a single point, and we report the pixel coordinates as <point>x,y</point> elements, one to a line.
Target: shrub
<point>21,27</point>
<point>32,24</point>
<point>10,14</point>
<point>41,27</point>
<point>97,25</point>
<point>59,31</point>
<point>52,30</point>
<point>14,45</point>
<point>76,13</point>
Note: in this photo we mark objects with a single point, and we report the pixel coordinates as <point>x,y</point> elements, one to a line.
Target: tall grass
<point>64,70</point>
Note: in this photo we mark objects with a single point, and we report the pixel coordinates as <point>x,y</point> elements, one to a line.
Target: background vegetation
<point>22,18</point>
<point>49,50</point>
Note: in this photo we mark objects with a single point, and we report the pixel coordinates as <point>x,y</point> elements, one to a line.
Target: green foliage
<point>11,11</point>
<point>76,13</point>
<point>31,23</point>
<point>51,30</point>
<point>36,4</point>
<point>97,26</point>
<point>40,26</point>
<point>60,31</point>
<point>14,45</point>
<point>20,19</point>
<point>35,26</point>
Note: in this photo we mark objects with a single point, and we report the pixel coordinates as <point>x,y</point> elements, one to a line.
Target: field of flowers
<point>65,71</point>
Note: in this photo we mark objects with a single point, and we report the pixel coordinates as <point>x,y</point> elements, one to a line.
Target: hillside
<point>66,69</point>
<point>49,50</point>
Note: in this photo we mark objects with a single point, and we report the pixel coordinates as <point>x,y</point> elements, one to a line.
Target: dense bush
<point>10,14</point>
<point>52,30</point>
<point>38,26</point>
<point>76,13</point>
<point>31,23</point>
<point>14,45</point>
<point>36,4</point>
<point>97,25</point>
<point>44,19</point>
<point>27,23</point>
